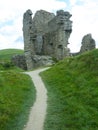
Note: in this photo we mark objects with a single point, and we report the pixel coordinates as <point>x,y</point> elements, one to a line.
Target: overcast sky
<point>84,17</point>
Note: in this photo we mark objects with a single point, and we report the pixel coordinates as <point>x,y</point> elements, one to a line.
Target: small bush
<point>7,65</point>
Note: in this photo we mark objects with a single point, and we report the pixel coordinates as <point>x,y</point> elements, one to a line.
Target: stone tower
<point>27,34</point>
<point>46,35</point>
<point>56,39</point>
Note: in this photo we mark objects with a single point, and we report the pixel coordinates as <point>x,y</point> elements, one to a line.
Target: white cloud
<point>84,17</point>
<point>12,10</point>
<point>72,2</point>
<point>85,20</point>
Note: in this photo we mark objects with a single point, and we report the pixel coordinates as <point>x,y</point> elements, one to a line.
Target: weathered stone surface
<point>88,43</point>
<point>40,21</point>
<point>56,40</point>
<point>27,31</point>
<point>42,60</point>
<point>20,61</point>
<point>46,34</point>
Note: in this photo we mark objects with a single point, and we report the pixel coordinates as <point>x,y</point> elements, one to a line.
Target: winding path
<point>38,111</point>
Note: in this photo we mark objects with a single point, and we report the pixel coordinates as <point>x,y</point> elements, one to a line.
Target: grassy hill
<point>17,93</point>
<point>5,58</point>
<point>6,54</point>
<point>72,86</point>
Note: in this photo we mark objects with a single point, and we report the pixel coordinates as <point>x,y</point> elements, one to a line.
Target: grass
<point>72,86</point>
<point>17,95</point>
<point>5,59</point>
<point>6,54</point>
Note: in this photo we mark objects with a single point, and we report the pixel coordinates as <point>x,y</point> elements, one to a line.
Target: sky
<point>84,17</point>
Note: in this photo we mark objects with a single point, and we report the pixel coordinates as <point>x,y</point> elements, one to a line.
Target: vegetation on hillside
<point>6,54</point>
<point>5,58</point>
<point>72,87</point>
<point>17,93</point>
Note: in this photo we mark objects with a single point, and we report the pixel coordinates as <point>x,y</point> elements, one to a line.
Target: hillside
<point>17,93</point>
<point>6,54</point>
<point>5,58</point>
<point>72,86</point>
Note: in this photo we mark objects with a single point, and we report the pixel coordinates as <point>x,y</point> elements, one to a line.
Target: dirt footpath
<point>38,111</point>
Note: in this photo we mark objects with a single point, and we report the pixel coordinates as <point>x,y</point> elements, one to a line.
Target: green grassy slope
<point>17,95</point>
<point>6,54</point>
<point>5,58</point>
<point>72,86</point>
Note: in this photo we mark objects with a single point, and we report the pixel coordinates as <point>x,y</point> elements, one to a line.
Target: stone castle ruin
<point>46,36</point>
<point>88,43</point>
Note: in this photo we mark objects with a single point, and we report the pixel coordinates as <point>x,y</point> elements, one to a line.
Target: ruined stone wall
<point>55,45</point>
<point>46,34</point>
<point>19,61</point>
<point>40,23</point>
<point>27,34</point>
<point>88,43</point>
<point>56,40</point>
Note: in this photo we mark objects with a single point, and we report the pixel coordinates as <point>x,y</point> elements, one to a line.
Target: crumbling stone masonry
<point>88,43</point>
<point>19,61</point>
<point>46,35</point>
